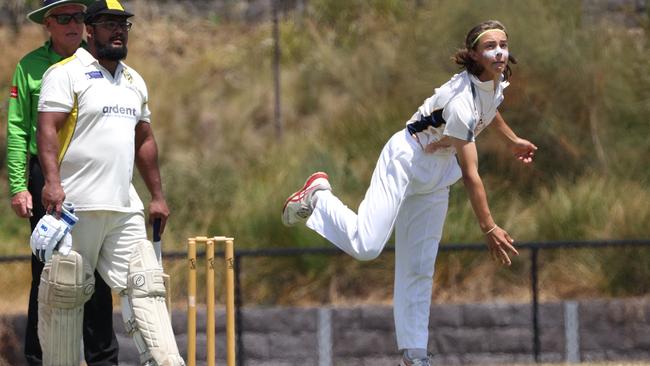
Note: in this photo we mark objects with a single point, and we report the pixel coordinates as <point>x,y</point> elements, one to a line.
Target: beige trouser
<point>105,240</point>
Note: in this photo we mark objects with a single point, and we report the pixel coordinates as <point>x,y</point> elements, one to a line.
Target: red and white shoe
<point>299,206</point>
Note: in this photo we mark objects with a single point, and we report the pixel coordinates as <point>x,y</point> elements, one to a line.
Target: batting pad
<point>144,311</point>
<point>66,284</point>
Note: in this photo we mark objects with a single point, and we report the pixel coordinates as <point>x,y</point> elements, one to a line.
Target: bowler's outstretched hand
<point>500,245</point>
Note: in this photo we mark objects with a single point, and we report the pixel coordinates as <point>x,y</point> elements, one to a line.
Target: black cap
<point>109,7</point>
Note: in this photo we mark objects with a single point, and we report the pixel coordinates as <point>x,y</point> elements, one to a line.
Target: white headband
<point>482,33</point>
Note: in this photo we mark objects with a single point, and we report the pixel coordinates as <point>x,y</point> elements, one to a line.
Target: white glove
<point>65,245</point>
<point>47,234</point>
<point>51,234</point>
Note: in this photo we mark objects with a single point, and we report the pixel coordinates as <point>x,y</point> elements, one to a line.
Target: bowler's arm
<point>498,240</point>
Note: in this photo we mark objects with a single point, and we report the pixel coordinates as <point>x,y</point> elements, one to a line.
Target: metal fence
<point>533,247</point>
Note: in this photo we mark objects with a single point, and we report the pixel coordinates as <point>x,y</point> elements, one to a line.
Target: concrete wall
<point>460,334</point>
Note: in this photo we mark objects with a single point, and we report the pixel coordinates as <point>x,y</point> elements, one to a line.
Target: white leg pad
<point>144,311</point>
<point>66,284</point>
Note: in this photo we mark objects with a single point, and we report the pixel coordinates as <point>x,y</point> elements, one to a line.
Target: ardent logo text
<point>116,109</point>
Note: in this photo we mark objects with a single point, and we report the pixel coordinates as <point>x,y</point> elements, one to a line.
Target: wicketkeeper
<point>94,123</point>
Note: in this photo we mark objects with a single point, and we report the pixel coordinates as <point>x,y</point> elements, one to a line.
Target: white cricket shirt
<point>97,142</point>
<point>465,112</point>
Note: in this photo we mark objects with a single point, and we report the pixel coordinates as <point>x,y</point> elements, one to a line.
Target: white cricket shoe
<point>299,206</point>
<point>417,362</point>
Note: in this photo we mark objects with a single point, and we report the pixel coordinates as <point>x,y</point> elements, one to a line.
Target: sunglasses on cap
<point>64,19</point>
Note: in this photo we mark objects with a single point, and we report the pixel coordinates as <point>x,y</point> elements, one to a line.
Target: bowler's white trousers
<point>409,190</point>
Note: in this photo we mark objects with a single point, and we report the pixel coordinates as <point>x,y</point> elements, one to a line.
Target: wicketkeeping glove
<point>51,234</point>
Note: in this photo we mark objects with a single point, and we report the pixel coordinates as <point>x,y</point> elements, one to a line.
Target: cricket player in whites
<point>409,189</point>
<point>94,123</point>
<point>64,22</point>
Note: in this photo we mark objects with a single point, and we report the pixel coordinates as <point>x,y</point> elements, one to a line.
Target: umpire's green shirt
<point>23,112</point>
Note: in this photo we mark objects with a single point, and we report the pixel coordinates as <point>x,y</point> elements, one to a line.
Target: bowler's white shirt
<point>465,115</point>
<point>97,142</point>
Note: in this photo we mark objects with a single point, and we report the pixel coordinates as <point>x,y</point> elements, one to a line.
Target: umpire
<point>63,19</point>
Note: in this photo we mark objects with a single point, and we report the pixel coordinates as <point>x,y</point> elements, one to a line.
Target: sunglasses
<point>64,19</point>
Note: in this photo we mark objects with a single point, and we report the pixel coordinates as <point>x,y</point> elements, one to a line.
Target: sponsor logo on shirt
<point>13,92</point>
<point>94,75</point>
<point>119,111</point>
<point>127,76</point>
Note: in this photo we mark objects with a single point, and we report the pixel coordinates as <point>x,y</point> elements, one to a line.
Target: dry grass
<point>15,288</point>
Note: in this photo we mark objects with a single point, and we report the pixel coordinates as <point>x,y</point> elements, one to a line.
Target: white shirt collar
<point>487,85</point>
<point>87,59</point>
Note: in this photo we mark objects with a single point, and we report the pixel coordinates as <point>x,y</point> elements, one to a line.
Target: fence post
<point>535,305</point>
<point>572,332</point>
<point>325,336</point>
